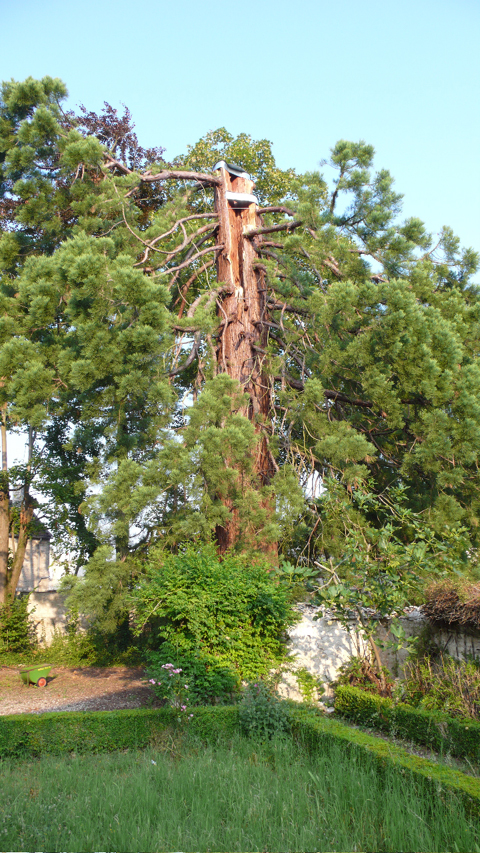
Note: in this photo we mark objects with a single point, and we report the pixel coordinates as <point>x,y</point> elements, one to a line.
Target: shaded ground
<point>80,689</point>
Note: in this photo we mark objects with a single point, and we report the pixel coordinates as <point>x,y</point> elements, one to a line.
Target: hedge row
<point>314,731</point>
<point>429,728</point>
<point>32,735</point>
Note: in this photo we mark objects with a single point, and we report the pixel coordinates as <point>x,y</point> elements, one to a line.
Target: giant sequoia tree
<point>198,354</point>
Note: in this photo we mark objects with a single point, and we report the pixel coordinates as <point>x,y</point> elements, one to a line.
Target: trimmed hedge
<point>314,731</point>
<point>33,735</point>
<point>429,728</point>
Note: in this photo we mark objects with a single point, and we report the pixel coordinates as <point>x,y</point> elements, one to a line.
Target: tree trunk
<point>25,517</point>
<point>244,335</point>
<point>4,511</point>
<point>26,513</point>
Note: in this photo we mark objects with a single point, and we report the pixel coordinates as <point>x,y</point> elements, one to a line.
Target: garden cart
<point>35,675</point>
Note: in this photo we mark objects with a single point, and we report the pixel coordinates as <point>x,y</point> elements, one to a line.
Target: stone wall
<point>322,645</point>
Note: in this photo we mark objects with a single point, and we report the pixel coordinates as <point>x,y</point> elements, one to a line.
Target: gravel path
<point>81,689</point>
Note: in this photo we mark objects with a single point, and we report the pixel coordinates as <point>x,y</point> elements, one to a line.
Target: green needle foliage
<point>111,335</point>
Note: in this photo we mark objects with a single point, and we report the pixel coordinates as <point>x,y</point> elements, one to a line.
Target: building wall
<point>36,566</point>
<point>48,614</point>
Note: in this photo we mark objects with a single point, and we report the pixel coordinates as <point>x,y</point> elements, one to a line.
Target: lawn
<point>235,795</point>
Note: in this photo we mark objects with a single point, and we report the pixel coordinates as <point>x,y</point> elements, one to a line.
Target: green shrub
<point>75,647</point>
<point>261,713</point>
<point>433,729</point>
<point>17,631</point>
<point>230,615</point>
<point>444,684</point>
<point>209,682</point>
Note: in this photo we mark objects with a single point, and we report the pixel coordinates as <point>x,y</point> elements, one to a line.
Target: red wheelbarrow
<point>35,674</point>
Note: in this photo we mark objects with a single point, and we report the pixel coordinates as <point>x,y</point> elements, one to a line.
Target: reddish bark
<point>244,334</point>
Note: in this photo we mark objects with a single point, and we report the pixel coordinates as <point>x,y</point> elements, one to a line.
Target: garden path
<point>79,689</point>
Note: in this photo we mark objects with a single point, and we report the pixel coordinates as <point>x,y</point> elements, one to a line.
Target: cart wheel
<point>42,682</point>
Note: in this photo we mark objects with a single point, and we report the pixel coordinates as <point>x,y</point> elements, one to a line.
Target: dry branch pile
<point>455,604</point>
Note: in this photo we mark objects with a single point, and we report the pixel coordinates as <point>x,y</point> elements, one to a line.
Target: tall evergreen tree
<point>207,360</point>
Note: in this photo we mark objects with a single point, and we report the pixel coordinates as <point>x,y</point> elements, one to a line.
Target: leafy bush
<point>221,621</point>
<point>261,713</point>
<point>444,684</point>
<point>17,632</point>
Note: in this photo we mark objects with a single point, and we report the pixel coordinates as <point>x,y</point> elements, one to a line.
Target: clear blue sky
<point>404,76</point>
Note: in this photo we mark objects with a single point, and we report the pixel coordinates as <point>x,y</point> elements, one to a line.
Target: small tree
<point>383,568</point>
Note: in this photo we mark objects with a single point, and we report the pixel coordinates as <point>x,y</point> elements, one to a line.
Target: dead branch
<point>188,257</point>
<point>181,266</point>
<point>278,209</point>
<point>294,383</point>
<point>342,398</point>
<point>282,306</point>
<point>188,284</point>
<point>283,226</point>
<point>180,222</point>
<point>165,175</point>
<point>188,238</point>
<point>191,356</point>
<point>224,288</point>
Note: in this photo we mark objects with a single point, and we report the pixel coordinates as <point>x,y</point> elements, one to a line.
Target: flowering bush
<point>208,680</point>
<point>169,685</point>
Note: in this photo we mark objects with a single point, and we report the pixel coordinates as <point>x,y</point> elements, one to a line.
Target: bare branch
<point>199,255</point>
<point>224,288</point>
<point>282,306</point>
<point>165,175</point>
<point>342,398</point>
<point>279,209</point>
<point>284,226</point>
<point>191,356</point>
<point>189,257</point>
<point>294,383</point>
<point>190,281</point>
<point>180,221</point>
<point>188,238</point>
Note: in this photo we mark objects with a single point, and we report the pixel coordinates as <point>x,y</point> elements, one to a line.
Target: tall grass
<point>234,796</point>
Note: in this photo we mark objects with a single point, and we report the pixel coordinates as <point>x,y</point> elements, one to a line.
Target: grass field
<point>236,796</point>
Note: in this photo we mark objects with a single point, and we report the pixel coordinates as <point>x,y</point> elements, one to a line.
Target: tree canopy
<point>121,334</point>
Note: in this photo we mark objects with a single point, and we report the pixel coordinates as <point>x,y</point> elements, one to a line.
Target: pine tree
<point>206,360</point>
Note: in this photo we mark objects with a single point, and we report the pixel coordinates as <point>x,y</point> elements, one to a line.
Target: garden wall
<point>322,645</point>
